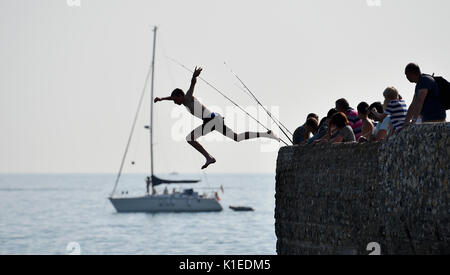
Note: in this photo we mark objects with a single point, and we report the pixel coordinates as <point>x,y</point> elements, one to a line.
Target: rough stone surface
<point>338,198</point>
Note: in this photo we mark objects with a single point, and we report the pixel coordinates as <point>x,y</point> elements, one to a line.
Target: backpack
<point>444,90</point>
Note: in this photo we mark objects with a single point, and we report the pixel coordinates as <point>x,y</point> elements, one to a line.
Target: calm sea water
<point>42,214</point>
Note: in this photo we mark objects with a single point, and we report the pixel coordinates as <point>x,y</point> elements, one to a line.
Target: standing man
<point>426,102</point>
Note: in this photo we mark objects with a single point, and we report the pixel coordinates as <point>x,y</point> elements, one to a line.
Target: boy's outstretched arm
<point>197,72</point>
<point>161,99</point>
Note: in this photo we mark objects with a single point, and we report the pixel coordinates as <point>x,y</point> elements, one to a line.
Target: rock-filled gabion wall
<point>338,198</point>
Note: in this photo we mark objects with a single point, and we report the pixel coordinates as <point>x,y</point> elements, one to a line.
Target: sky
<point>71,73</point>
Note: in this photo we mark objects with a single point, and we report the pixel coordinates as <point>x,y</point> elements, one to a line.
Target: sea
<point>71,214</point>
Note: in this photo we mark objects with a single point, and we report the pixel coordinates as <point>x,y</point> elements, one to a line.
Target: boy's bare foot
<point>208,162</point>
<point>273,136</point>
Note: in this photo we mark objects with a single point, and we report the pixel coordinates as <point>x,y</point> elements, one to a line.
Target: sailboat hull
<point>165,203</point>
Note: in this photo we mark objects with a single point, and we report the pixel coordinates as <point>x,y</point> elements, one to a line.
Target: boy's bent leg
<point>192,140</point>
<point>247,135</point>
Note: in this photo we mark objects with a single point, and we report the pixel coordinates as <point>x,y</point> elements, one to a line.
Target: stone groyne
<point>338,198</point>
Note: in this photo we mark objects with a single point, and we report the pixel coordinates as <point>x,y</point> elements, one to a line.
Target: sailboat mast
<point>151,100</point>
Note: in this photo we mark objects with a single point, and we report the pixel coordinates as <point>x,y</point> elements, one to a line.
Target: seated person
<point>383,127</point>
<point>313,115</point>
<point>355,122</point>
<point>395,107</point>
<point>302,133</point>
<point>312,125</point>
<point>342,131</point>
<point>367,126</point>
<point>323,131</point>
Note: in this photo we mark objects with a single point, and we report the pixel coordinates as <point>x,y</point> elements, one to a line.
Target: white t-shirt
<point>385,125</point>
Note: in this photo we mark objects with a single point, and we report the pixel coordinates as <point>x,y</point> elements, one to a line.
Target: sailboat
<point>185,201</point>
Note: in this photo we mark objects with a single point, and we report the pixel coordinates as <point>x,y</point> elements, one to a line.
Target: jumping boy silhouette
<point>211,121</point>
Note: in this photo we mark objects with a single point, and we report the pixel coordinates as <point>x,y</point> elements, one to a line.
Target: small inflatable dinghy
<point>241,208</point>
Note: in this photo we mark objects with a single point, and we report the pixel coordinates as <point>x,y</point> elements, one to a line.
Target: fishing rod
<point>277,122</point>
<point>225,96</point>
<point>251,94</point>
<point>274,118</point>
